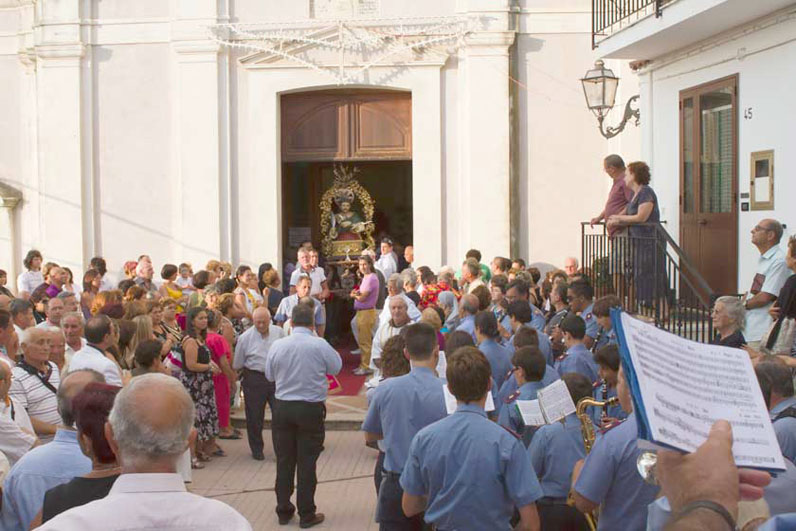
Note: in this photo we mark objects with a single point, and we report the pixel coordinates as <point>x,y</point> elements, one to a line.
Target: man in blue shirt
<point>519,290</point>
<point>782,405</point>
<point>554,450</point>
<point>581,301</point>
<point>298,365</point>
<point>609,478</point>
<point>468,307</point>
<point>525,336</point>
<point>529,372</point>
<point>49,465</point>
<point>519,315</point>
<point>401,407</point>
<point>464,471</point>
<point>606,335</point>
<point>487,337</point>
<point>577,358</point>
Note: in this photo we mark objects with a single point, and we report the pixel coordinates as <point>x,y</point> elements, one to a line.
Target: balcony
<point>647,29</point>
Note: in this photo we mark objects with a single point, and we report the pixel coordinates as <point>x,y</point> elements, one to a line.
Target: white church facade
<point>198,129</point>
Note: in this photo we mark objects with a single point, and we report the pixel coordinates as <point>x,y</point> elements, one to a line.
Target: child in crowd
<point>185,278</point>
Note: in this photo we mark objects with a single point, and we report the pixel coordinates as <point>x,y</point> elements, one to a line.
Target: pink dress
<point>219,347</point>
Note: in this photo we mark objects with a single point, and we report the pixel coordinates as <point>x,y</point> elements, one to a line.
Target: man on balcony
<point>770,275</point>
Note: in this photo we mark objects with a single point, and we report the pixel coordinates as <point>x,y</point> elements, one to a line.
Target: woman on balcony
<point>640,215</point>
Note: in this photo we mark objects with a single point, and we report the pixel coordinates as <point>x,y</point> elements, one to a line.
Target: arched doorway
<point>368,129</point>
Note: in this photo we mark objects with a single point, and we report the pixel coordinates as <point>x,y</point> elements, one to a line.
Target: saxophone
<point>587,431</point>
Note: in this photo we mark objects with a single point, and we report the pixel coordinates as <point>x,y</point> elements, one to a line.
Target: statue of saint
<point>347,224</point>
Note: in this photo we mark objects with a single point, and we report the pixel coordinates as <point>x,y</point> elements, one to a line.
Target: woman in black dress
<point>197,377</point>
<point>728,319</point>
<point>90,408</point>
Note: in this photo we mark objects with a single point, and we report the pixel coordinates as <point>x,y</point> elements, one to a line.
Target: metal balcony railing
<point>606,15</point>
<point>652,277</point>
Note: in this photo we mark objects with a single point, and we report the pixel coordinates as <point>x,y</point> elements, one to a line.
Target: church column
<point>485,153</point>
<point>198,220</point>
<point>63,174</point>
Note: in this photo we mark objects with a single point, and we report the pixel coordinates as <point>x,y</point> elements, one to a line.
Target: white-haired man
<point>399,319</point>
<point>149,428</point>
<point>72,325</point>
<point>395,288</point>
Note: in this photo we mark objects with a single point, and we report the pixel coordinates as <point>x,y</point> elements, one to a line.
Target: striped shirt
<point>29,392</point>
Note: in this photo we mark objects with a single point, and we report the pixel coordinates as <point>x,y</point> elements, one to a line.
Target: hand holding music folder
<point>680,388</point>
<point>552,404</point>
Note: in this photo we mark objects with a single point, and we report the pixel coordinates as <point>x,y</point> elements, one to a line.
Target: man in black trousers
<point>251,352</point>
<point>298,365</point>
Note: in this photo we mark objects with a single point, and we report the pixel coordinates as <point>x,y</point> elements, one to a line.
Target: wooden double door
<point>709,181</point>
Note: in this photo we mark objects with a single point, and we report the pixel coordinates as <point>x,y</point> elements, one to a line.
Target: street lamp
<point>599,87</point>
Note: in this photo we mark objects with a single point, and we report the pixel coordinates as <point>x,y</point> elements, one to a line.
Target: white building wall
<point>763,55</point>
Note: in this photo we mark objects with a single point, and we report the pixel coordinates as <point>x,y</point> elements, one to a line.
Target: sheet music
<point>442,365</point>
<point>531,412</point>
<point>450,401</point>
<point>686,386</point>
<point>555,401</point>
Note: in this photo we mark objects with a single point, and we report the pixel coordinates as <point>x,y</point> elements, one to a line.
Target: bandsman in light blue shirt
<point>401,407</point>
<point>468,307</point>
<point>577,358</point>
<point>519,290</point>
<point>519,315</point>
<point>606,335</point>
<point>554,450</point>
<point>607,359</point>
<point>581,301</point>
<point>529,371</point>
<point>487,337</point>
<point>609,478</point>
<point>464,471</point>
<point>524,337</point>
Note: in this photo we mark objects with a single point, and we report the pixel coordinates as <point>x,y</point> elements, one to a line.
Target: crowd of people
<point>114,390</point>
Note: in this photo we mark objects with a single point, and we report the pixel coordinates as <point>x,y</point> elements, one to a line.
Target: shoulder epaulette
<point>512,397</point>
<point>785,413</point>
<point>562,357</point>
<point>611,426</point>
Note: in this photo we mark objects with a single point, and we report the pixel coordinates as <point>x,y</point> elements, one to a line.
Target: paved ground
<point>345,492</point>
<point>342,413</point>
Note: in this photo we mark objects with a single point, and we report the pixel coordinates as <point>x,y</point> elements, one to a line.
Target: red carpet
<point>350,384</point>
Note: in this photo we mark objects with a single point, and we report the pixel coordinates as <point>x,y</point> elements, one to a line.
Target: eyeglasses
<point>758,228</point>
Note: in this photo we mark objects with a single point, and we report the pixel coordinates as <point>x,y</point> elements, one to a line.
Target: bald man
<point>251,352</point>
<point>149,428</point>
<point>48,465</point>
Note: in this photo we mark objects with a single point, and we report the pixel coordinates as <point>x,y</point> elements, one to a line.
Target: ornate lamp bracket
<point>630,112</point>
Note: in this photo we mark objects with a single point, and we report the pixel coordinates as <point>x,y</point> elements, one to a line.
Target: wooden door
<point>709,181</point>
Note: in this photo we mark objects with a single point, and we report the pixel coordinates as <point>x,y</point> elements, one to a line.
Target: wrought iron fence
<point>652,277</point>
<point>606,13</point>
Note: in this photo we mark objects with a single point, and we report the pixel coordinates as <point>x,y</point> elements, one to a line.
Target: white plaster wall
<point>133,143</point>
<point>766,80</point>
<point>136,10</point>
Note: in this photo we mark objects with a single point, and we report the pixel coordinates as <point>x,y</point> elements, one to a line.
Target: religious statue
<point>346,230</point>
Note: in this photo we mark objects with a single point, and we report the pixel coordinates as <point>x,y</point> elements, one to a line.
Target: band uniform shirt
<point>41,469</point>
<point>28,392</point>
<point>592,326</point>
<point>510,386</point>
<point>609,476</point>
<point>252,348</point>
<point>400,408</point>
<point>770,275</point>
<point>149,501</point>
<point>90,357</point>
<point>785,428</point>
<point>472,471</point>
<point>299,363</point>
<point>316,274</point>
<point>499,358</point>
<point>537,318</point>
<point>615,411</point>
<point>555,448</point>
<point>578,359</point>
<point>545,346</point>
<point>509,417</point>
<point>285,310</point>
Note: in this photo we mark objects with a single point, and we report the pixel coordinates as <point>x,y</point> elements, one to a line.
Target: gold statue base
<point>350,249</point>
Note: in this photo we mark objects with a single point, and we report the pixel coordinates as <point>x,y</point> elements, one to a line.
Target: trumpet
<point>587,432</point>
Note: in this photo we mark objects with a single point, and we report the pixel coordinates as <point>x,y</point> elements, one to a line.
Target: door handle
<point>703,221</point>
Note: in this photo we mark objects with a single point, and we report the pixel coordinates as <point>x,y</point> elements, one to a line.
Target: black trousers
<point>257,391</point>
<point>297,430</point>
<point>558,516</point>
<point>389,513</point>
<point>378,472</point>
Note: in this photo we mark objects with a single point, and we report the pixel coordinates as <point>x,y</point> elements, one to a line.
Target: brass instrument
<point>587,431</point>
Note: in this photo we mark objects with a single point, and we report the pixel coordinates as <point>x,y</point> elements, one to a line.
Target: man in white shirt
<point>55,310</point>
<point>399,319</point>
<point>320,288</point>
<point>16,431</point>
<point>388,261</point>
<point>395,288</point>
<point>471,275</point>
<point>36,381</point>
<point>770,275</point>
<point>100,334</point>
<point>72,325</point>
<point>149,428</point>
